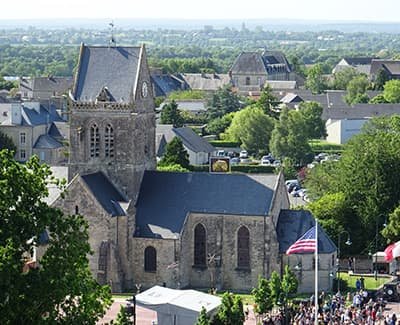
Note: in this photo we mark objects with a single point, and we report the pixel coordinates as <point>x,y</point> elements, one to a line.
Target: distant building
<point>35,130</point>
<point>251,70</point>
<point>199,149</point>
<point>42,88</point>
<point>360,64</point>
<point>164,84</point>
<point>208,82</point>
<point>391,68</point>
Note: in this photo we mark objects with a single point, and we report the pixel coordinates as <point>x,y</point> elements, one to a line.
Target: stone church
<point>181,230</point>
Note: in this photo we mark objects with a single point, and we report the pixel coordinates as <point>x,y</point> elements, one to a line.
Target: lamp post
<point>348,243</point>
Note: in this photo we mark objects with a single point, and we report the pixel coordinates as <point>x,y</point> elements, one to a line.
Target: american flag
<point>305,244</point>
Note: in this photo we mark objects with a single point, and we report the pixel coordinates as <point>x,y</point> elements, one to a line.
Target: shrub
<point>223,143</point>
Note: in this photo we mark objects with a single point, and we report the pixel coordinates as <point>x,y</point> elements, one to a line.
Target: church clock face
<point>145,89</point>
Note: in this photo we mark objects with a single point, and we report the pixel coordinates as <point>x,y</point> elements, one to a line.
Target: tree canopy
<point>252,128</point>
<point>170,114</point>
<point>60,289</point>
<point>230,312</point>
<point>6,142</point>
<point>364,182</point>
<point>315,80</point>
<point>175,154</point>
<point>391,91</point>
<point>222,102</point>
<point>356,90</point>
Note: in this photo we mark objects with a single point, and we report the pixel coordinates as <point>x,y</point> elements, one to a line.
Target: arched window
<point>150,259</point>
<point>247,81</point>
<point>243,247</point>
<point>94,141</point>
<point>200,245</point>
<point>109,141</point>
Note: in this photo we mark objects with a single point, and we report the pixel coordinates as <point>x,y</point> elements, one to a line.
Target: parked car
<point>267,158</point>
<point>276,163</point>
<point>235,161</point>
<point>245,160</point>
<point>243,154</point>
<point>320,156</point>
<point>221,153</point>
<point>301,192</point>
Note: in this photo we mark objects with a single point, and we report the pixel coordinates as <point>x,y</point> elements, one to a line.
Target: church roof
<point>105,193</point>
<point>166,198</point>
<point>109,68</point>
<point>256,63</point>
<point>46,141</point>
<point>292,224</point>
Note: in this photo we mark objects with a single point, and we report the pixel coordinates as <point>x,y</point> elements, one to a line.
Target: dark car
<point>390,292</point>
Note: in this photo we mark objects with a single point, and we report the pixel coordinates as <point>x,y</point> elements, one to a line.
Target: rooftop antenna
<point>112,38</point>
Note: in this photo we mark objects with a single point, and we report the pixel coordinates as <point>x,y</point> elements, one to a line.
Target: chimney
<point>16,116</point>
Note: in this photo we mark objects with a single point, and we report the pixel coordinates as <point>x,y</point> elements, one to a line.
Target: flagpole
<point>316,272</point>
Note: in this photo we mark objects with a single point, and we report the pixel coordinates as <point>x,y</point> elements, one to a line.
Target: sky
<point>355,10</point>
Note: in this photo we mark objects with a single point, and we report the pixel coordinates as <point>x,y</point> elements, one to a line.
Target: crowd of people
<point>356,308</point>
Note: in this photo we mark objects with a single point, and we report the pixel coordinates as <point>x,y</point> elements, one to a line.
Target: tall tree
<point>61,289</point>
<point>357,90</point>
<point>289,138</point>
<point>222,102</point>
<point>252,128</point>
<point>219,124</point>
<point>6,142</point>
<point>262,296</point>
<point>380,80</point>
<point>311,113</point>
<point>289,282</point>
<point>315,80</point>
<point>275,288</point>
<point>268,102</point>
<point>170,114</point>
<point>175,154</point>
<point>391,91</point>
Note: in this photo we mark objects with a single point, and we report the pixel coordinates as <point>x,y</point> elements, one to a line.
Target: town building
<point>146,227</point>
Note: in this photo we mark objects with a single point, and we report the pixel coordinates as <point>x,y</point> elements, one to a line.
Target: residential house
<point>360,64</point>
<point>199,149</point>
<point>35,130</point>
<point>391,69</point>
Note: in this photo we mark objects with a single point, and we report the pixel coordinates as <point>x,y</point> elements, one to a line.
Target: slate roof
<point>47,142</point>
<point>57,85</point>
<point>112,68</point>
<point>192,140</point>
<point>392,67</point>
<point>205,81</point>
<point>59,130</point>
<point>292,224</point>
<point>106,193</point>
<point>165,199</point>
<point>291,98</point>
<point>359,61</point>
<point>166,83</point>
<point>282,84</point>
<point>45,116</point>
<point>256,63</point>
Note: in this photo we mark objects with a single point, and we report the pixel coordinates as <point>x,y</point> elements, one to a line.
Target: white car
<point>243,154</point>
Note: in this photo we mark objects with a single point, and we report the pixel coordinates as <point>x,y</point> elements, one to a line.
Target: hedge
<point>321,146</point>
<point>252,169</point>
<point>222,143</point>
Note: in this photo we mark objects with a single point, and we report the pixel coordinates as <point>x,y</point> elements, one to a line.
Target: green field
<point>370,282</point>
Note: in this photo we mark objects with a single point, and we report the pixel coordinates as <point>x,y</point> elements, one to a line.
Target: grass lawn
<point>370,282</point>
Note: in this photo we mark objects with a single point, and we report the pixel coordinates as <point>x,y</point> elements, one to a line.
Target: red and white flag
<point>305,244</point>
<point>392,251</point>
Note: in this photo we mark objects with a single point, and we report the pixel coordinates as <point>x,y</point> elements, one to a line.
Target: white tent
<point>177,307</point>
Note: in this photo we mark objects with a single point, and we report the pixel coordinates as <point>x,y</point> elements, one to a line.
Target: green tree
<point>218,125</point>
<point>356,90</point>
<point>392,231</point>
<point>222,102</point>
<point>311,113</point>
<point>275,288</point>
<point>170,114</point>
<point>262,296</point>
<point>367,177</point>
<point>61,290</point>
<point>203,319</point>
<point>175,154</point>
<point>380,80</point>
<point>342,78</point>
<point>378,99</point>
<point>172,168</point>
<point>6,142</point>
<point>252,128</point>
<point>391,91</point>
<point>268,102</point>
<point>289,282</point>
<point>230,311</point>
<point>289,137</point>
<point>122,317</point>
<point>315,80</point>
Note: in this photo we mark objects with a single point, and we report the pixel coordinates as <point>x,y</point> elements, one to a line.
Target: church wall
<point>164,273</point>
<point>100,223</point>
<point>305,271</point>
<point>221,233</point>
<point>281,199</point>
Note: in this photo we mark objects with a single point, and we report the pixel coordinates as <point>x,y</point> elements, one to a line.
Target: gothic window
<point>150,259</point>
<point>94,141</point>
<point>109,141</point>
<point>247,81</point>
<point>243,247</point>
<point>199,245</point>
